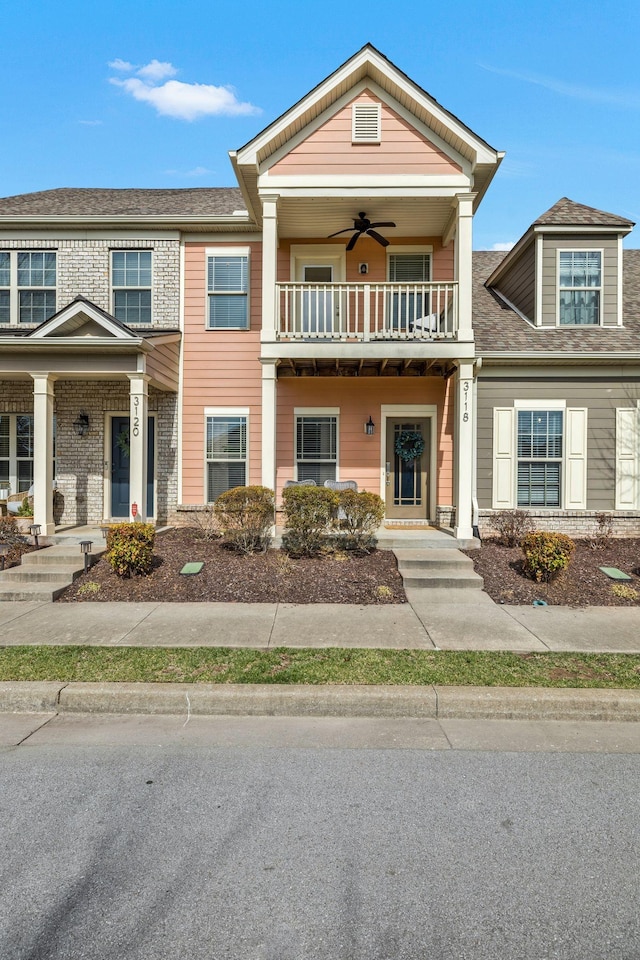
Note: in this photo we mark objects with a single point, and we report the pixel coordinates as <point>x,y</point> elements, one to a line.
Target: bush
<point>26,508</point>
<point>308,517</point>
<point>130,548</point>
<point>512,526</point>
<point>359,516</point>
<point>245,516</point>
<point>546,554</point>
<point>9,532</point>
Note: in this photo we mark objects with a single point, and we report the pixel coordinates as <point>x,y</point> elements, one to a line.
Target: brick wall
<point>575,523</point>
<point>84,268</point>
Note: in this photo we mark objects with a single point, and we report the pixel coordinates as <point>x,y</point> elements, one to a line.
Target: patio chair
<point>426,325</point>
<point>341,485</point>
<point>15,500</point>
<point>300,483</point>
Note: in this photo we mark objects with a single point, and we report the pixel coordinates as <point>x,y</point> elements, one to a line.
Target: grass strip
<point>334,666</point>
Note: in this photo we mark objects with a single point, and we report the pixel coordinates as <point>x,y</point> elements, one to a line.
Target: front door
<point>317,307</point>
<point>120,504</point>
<point>407,467</point>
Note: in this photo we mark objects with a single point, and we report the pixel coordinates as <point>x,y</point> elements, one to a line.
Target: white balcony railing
<point>367,311</point>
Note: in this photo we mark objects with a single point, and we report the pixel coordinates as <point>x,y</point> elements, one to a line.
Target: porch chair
<point>429,324</point>
<point>15,500</point>
<point>341,485</point>
<point>300,483</point>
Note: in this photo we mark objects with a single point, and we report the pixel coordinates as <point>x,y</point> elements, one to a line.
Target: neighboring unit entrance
<point>120,504</point>
<point>406,485</point>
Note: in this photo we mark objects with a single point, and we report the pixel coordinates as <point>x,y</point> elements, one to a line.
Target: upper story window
<point>27,286</point>
<point>227,290</point>
<point>579,287</point>
<point>365,123</point>
<point>131,282</point>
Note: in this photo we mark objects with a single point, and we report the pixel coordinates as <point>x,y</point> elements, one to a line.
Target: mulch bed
<point>17,551</point>
<point>269,577</point>
<point>581,585</point>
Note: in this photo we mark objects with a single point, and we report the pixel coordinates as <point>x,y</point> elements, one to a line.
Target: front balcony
<point>365,312</point>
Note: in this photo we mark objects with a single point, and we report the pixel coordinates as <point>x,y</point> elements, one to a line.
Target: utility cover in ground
<point>190,569</point>
<point>614,574</point>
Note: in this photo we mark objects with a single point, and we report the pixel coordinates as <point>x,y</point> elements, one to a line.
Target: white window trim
<point>578,326</point>
<point>14,289</point>
<point>224,412</point>
<point>315,412</point>
<point>13,449</point>
<point>394,249</point>
<point>113,289</point>
<point>319,255</point>
<point>375,111</point>
<point>240,251</point>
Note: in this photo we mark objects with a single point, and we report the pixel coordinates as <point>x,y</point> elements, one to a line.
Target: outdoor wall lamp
<point>369,427</point>
<point>34,530</point>
<point>4,550</point>
<point>81,424</point>
<point>85,547</point>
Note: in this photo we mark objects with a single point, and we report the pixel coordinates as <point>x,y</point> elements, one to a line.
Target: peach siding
<point>359,455</point>
<point>371,252</point>
<point>221,369</point>
<point>329,150</point>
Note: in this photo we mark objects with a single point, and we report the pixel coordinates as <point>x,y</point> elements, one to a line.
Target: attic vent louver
<point>366,123</point>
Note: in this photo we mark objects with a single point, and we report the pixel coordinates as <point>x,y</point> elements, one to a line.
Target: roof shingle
<point>568,213</point>
<point>90,202</point>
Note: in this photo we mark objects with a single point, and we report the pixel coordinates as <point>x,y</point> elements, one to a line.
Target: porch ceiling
<point>387,367</point>
<point>318,217</point>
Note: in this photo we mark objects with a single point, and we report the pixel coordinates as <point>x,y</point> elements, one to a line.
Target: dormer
<point>566,271</point>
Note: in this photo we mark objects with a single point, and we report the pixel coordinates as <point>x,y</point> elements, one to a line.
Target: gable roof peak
<point>568,213</point>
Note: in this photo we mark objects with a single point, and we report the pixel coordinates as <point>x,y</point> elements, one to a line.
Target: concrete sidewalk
<point>429,621</point>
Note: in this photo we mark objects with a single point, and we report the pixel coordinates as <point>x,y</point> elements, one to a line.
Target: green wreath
<point>409,445</point>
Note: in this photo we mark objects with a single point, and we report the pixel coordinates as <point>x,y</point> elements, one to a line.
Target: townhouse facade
<point>326,319</point>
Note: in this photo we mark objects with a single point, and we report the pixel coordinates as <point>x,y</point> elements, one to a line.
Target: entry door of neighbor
<point>120,504</point>
<point>318,306</point>
<point>407,477</point>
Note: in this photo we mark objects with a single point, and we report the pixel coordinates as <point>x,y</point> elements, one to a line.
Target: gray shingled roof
<point>90,202</point>
<point>498,329</point>
<point>567,213</point>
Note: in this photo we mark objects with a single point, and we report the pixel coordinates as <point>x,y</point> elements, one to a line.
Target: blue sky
<point>154,94</point>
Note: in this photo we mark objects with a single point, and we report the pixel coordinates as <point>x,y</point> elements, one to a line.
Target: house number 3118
<point>465,402</point>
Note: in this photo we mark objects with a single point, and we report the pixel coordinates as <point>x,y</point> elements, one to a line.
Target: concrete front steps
<point>434,568</point>
<point>45,573</point>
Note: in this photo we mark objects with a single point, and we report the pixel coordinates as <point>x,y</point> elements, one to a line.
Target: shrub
<point>308,517</point>
<point>206,523</point>
<point>245,516</point>
<point>546,554</point>
<point>359,516</point>
<point>26,509</point>
<point>603,532</point>
<point>624,591</point>
<point>512,526</point>
<point>130,548</point>
<point>9,532</point>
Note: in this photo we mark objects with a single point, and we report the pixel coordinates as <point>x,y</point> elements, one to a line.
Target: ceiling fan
<point>362,225</point>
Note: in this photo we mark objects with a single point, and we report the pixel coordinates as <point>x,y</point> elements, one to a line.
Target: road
<point>299,839</point>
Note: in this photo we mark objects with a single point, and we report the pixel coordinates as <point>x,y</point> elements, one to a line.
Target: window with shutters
<point>366,123</point>
<point>228,290</point>
<point>579,287</point>
<point>226,453</point>
<point>316,447</point>
<point>540,451</point>
<point>131,286</point>
<point>27,286</point>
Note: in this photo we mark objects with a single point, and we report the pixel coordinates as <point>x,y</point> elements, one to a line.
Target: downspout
<point>475,511</point>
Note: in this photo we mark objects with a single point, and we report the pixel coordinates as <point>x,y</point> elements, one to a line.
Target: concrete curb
<point>437,703</point>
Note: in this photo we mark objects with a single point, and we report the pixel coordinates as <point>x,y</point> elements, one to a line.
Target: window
<point>365,123</point>
<point>16,451</point>
<point>539,457</point>
<point>131,281</point>
<point>226,454</point>
<point>227,291</point>
<point>579,287</point>
<point>316,447</point>
<point>27,286</point>
<point>407,306</point>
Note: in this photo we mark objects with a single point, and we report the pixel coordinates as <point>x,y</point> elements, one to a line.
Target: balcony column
<point>138,443</point>
<point>269,385</point>
<point>464,442</point>
<point>463,263</point>
<point>43,397</point>
<point>269,267</point>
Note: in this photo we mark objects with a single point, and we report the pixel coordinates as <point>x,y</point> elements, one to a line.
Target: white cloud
<point>615,98</point>
<point>119,64</point>
<point>186,101</point>
<point>508,245</point>
<point>156,70</point>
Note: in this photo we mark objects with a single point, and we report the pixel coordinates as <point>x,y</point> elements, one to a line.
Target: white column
<point>463,264</point>
<point>43,397</point>
<point>269,267</point>
<point>464,423</point>
<point>269,384</point>
<point>138,440</point>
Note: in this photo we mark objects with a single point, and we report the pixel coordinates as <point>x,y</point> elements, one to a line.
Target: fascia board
<point>88,345</point>
<point>535,357</point>
<point>44,332</point>
<point>244,190</point>
<point>360,186</point>
<point>577,228</point>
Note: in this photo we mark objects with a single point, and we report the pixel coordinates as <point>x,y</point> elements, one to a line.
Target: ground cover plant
<point>230,576</point>
<point>581,584</point>
<point>332,666</point>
